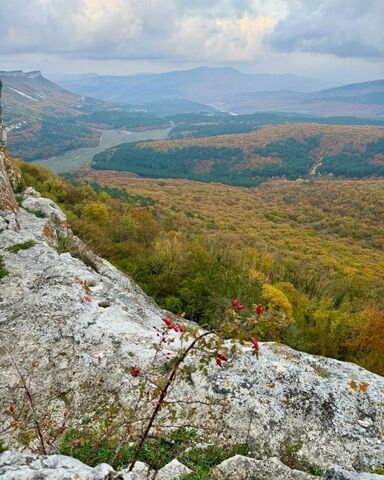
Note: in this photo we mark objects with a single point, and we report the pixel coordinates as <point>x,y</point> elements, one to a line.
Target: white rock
<point>140,471</point>
<point>244,468</point>
<point>338,473</point>
<point>23,466</point>
<point>173,471</point>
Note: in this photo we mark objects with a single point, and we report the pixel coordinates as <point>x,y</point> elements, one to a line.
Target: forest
<point>219,123</point>
<point>310,252</point>
<point>248,159</point>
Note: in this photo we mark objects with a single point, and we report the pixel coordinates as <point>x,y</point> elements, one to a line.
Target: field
<point>292,151</point>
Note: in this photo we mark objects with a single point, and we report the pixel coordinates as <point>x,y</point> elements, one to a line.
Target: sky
<point>338,40</point>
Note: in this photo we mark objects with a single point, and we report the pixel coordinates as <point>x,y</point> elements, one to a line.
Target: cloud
<point>136,29</point>
<point>345,28</point>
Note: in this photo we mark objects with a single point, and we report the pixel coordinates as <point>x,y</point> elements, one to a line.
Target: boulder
<point>245,468</point>
<point>141,471</point>
<point>24,466</point>
<point>173,471</point>
<point>339,473</point>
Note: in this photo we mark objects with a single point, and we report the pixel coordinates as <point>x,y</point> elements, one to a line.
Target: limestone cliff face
<point>3,134</point>
<point>7,198</point>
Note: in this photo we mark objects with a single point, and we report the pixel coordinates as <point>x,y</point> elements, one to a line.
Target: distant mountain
<point>363,93</point>
<point>42,119</point>
<point>30,95</point>
<point>204,85</point>
<point>228,90</point>
<point>357,100</point>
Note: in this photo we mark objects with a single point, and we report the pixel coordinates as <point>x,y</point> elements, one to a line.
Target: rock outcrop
<point>23,466</point>
<point>244,468</point>
<point>332,411</point>
<point>3,134</point>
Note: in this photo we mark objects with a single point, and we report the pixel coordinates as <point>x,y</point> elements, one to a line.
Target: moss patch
<point>21,246</point>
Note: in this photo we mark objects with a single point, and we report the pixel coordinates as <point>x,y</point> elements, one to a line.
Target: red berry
<point>240,307</point>
<point>255,343</point>
<point>12,408</point>
<point>218,362</point>
<point>135,371</point>
<point>222,357</point>
<point>87,299</point>
<point>259,310</point>
<point>235,302</point>
<point>168,322</point>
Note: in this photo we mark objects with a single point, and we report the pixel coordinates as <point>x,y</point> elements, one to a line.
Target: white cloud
<point>342,37</point>
<point>135,29</point>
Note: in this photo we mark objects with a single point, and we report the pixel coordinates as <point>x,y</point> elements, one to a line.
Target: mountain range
<point>358,100</point>
<point>204,84</point>
<point>229,90</point>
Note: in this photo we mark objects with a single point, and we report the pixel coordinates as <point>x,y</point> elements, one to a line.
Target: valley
<point>109,138</point>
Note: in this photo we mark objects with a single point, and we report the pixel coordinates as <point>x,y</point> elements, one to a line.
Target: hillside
<point>205,85</point>
<point>195,125</point>
<point>79,328</point>
<point>40,116</point>
<point>43,120</point>
<point>364,99</point>
<point>292,151</point>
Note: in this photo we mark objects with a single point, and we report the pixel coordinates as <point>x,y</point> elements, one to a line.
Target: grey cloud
<point>346,28</point>
<point>118,28</point>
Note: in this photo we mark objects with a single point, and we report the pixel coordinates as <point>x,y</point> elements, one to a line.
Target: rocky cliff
<point>84,348</point>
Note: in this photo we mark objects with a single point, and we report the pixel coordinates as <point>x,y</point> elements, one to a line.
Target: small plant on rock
<point>3,270</point>
<point>156,421</point>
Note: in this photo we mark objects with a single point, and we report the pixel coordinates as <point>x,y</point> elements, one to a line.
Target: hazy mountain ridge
<point>205,84</point>
<point>364,99</point>
<point>229,90</point>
